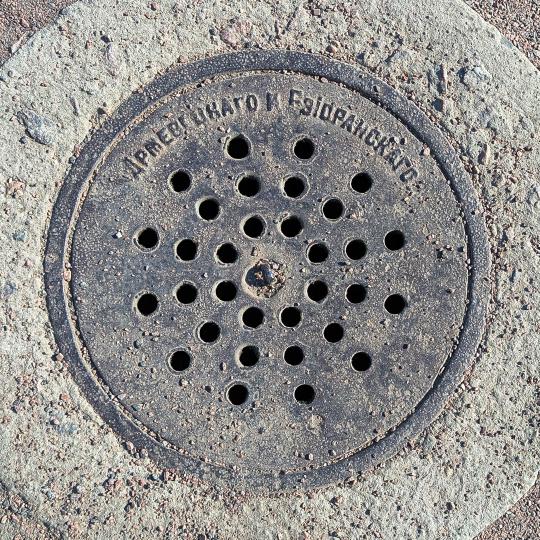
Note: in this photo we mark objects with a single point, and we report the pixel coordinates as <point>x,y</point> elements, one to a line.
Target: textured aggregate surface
<point>476,486</point>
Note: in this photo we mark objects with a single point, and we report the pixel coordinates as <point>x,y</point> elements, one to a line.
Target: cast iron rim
<point>381,94</point>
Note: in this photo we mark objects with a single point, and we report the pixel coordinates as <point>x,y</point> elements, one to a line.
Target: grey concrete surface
<point>45,412</point>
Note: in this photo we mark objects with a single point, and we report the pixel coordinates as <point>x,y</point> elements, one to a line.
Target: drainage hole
<point>180,181</point>
<point>249,356</point>
<point>333,332</point>
<point>208,209</point>
<point>355,249</point>
<point>356,293</point>
<point>395,304</point>
<point>254,227</point>
<point>238,147</point>
<point>147,304</point>
<point>394,240</point>
<point>237,394</point>
<point>147,238</point>
<point>305,394</point>
<point>333,209</point>
<point>317,253</point>
<point>186,293</point>
<point>227,254</point>
<point>290,317</point>
<point>361,361</point>
<point>226,291</point>
<point>304,148</point>
<point>209,332</point>
<point>361,182</point>
<point>291,227</point>
<point>186,250</point>
<point>293,355</point>
<point>294,187</point>
<point>179,360</point>
<point>253,317</point>
<point>317,291</point>
<point>249,186</point>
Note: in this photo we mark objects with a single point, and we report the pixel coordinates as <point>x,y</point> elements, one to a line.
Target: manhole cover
<point>270,263</point>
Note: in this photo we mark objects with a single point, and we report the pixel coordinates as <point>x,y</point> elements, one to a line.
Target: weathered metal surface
<point>273,274</point>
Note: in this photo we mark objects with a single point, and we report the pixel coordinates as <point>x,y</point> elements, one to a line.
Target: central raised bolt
<point>265,277</point>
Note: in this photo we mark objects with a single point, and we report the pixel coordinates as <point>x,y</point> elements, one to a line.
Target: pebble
<point>41,129</point>
<point>19,236</point>
<point>9,288</point>
<point>476,76</point>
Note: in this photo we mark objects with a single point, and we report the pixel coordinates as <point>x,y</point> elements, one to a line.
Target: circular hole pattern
<point>226,291</point>
<point>394,240</point>
<point>147,303</point>
<point>333,332</point>
<point>180,181</point>
<point>186,250</point>
<point>395,304</point>
<point>186,293</point>
<point>294,187</point>
<point>249,186</point>
<point>317,253</point>
<point>179,360</point>
<point>291,227</point>
<point>148,238</point>
<point>317,291</point>
<point>361,183</point>
<point>253,317</point>
<point>355,249</point>
<point>304,394</point>
<point>293,355</point>
<point>227,253</point>
<point>304,148</point>
<point>238,147</point>
<point>361,361</point>
<point>356,293</point>
<point>237,394</point>
<point>333,209</point>
<point>249,356</point>
<point>208,209</point>
<point>209,332</point>
<point>254,227</point>
<point>290,317</point>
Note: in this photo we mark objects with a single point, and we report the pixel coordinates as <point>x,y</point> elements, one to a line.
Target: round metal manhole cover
<point>271,264</point>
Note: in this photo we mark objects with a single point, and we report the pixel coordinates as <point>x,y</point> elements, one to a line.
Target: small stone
<point>9,289</point>
<point>111,58</point>
<point>19,236</point>
<point>39,128</point>
<point>118,234</point>
<point>333,47</point>
<point>17,45</point>
<point>14,187</point>
<point>476,76</point>
<point>484,156</point>
<point>229,37</point>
